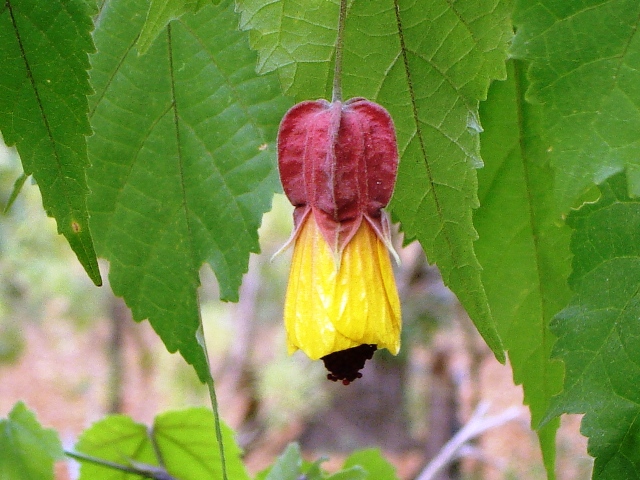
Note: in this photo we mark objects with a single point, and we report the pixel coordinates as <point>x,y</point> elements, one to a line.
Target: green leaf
<point>353,473</point>
<point>372,461</point>
<point>44,85</point>
<point>185,442</point>
<point>429,62</point>
<point>598,332</point>
<point>522,249</point>
<point>161,12</point>
<point>27,451</point>
<point>585,69</point>
<point>296,38</point>
<point>183,162</point>
<point>288,466</point>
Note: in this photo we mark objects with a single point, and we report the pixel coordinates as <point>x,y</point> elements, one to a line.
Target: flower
<point>338,164</point>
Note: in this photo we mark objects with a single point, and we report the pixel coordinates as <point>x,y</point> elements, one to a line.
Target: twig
<point>137,468</point>
<point>477,424</point>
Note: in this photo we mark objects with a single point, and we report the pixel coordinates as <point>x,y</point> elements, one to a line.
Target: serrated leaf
<point>372,461</point>
<point>183,167</point>
<point>598,332</point>
<point>296,38</point>
<point>27,451</point>
<point>185,441</point>
<point>44,85</point>
<point>160,13</point>
<point>522,249</point>
<point>585,69</point>
<point>429,62</point>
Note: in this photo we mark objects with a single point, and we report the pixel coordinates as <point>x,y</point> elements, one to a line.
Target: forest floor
<point>65,372</point>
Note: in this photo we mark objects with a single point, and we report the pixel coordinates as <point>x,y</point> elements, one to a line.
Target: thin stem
<point>337,72</point>
<point>141,469</point>
<point>214,401</point>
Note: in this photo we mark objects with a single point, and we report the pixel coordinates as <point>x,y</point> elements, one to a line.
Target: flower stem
<point>337,72</point>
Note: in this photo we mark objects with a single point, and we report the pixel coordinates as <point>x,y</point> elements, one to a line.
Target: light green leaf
<point>288,466</point>
<point>429,62</point>
<point>598,332</point>
<point>44,85</point>
<point>585,69</point>
<point>27,451</point>
<point>296,38</point>
<point>522,249</point>
<point>352,473</point>
<point>161,12</point>
<point>372,461</point>
<point>183,162</point>
<point>185,442</point>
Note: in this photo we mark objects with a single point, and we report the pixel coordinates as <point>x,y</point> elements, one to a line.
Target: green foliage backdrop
<point>175,105</point>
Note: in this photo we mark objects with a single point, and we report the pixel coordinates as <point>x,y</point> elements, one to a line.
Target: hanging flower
<point>338,164</point>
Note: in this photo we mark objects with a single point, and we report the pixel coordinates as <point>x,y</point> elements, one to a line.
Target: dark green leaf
<point>599,334</point>
<point>185,440</point>
<point>44,85</point>
<point>183,162</point>
<point>429,62</point>
<point>27,451</point>
<point>524,253</point>
<point>585,69</point>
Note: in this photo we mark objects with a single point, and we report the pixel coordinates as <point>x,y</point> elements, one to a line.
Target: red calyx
<point>339,161</point>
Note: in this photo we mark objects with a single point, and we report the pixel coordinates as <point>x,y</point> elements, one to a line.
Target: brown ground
<point>63,375</point>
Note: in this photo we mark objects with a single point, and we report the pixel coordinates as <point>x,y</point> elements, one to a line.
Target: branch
<point>477,424</point>
<point>137,468</point>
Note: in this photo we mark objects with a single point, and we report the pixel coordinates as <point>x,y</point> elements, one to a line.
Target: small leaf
<point>44,85</point>
<point>352,473</point>
<point>598,332</point>
<point>288,466</point>
<point>183,167</point>
<point>585,70</point>
<point>372,461</point>
<point>27,451</point>
<point>185,440</point>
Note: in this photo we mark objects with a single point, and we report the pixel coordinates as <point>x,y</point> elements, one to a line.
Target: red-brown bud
<point>339,161</point>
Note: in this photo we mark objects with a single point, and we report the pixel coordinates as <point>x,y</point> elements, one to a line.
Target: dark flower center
<point>345,365</point>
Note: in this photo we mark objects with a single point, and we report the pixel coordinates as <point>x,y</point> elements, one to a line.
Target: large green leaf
<point>160,13</point>
<point>599,333</point>
<point>585,69</point>
<point>27,451</point>
<point>524,253</point>
<point>44,84</point>
<point>182,442</point>
<point>296,38</point>
<point>183,164</point>
<point>429,62</point>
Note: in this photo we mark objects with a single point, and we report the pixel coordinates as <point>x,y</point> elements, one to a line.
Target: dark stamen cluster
<point>345,365</point>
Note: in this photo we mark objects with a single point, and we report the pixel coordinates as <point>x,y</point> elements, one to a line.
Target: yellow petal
<point>330,308</point>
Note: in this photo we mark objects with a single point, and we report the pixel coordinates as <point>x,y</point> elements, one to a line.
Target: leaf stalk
<point>337,68</point>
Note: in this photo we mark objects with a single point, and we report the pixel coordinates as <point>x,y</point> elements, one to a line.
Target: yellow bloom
<point>332,306</point>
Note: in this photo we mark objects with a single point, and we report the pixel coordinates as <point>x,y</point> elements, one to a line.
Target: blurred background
<point>71,351</point>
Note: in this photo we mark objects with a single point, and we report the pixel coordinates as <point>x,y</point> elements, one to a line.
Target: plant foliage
<point>175,105</point>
